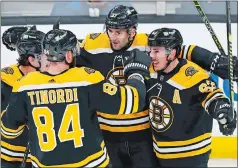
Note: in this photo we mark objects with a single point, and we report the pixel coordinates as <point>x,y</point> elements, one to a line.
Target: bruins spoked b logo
<point>161,114</point>
<point>116,76</point>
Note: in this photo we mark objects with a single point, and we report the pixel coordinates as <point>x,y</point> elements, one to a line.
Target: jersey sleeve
<point>13,119</point>
<point>210,92</point>
<point>108,98</point>
<point>86,59</point>
<point>198,55</point>
<point>204,93</point>
<point>5,95</point>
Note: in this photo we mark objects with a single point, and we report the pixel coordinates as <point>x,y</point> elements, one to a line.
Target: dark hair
<point>23,60</point>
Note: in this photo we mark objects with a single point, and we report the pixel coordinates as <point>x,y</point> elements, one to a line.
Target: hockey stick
<point>23,164</point>
<point>229,48</point>
<point>218,44</point>
<point>209,27</point>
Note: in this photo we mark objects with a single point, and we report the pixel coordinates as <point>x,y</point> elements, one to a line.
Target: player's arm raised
<point>210,61</point>
<point>87,59</point>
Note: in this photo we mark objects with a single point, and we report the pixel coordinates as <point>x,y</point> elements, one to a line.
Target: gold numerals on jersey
<point>44,121</point>
<point>176,97</point>
<point>207,86</point>
<point>109,89</point>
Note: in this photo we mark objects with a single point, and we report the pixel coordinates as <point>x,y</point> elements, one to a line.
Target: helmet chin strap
<point>130,39</point>
<point>168,62</point>
<point>36,68</point>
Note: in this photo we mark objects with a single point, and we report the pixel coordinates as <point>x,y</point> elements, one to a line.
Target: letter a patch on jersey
<point>176,97</point>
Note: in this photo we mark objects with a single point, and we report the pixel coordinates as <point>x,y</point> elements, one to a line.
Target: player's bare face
<point>35,61</point>
<point>118,38</point>
<point>159,57</point>
<point>44,63</point>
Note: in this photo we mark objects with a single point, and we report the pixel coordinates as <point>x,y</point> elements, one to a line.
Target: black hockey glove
<point>225,116</point>
<point>137,62</point>
<point>219,66</point>
<point>11,35</point>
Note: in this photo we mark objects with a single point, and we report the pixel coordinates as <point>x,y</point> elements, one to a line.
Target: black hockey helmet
<point>11,35</point>
<point>29,44</point>
<point>123,17</point>
<point>57,42</point>
<point>166,37</point>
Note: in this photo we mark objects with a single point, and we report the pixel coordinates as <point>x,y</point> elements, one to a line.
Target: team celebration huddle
<point>115,99</point>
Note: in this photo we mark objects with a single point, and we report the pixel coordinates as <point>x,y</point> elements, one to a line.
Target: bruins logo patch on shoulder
<point>93,36</point>
<point>89,70</point>
<point>190,71</point>
<point>8,70</point>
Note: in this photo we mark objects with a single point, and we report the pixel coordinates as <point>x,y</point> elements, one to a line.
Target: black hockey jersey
<point>178,111</point>
<point>12,150</point>
<point>60,112</point>
<point>9,76</point>
<point>97,54</point>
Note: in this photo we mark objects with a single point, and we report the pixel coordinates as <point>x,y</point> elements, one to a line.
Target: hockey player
<point>28,47</point>
<point>59,106</point>
<point>12,73</point>
<point>182,102</point>
<point>128,138</point>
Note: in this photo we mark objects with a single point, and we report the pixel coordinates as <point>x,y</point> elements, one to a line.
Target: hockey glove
<point>11,35</point>
<point>219,66</point>
<point>138,62</point>
<point>226,117</point>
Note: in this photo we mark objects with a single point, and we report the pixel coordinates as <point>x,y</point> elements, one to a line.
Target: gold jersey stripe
<point>124,116</point>
<point>182,143</point>
<point>125,129</point>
